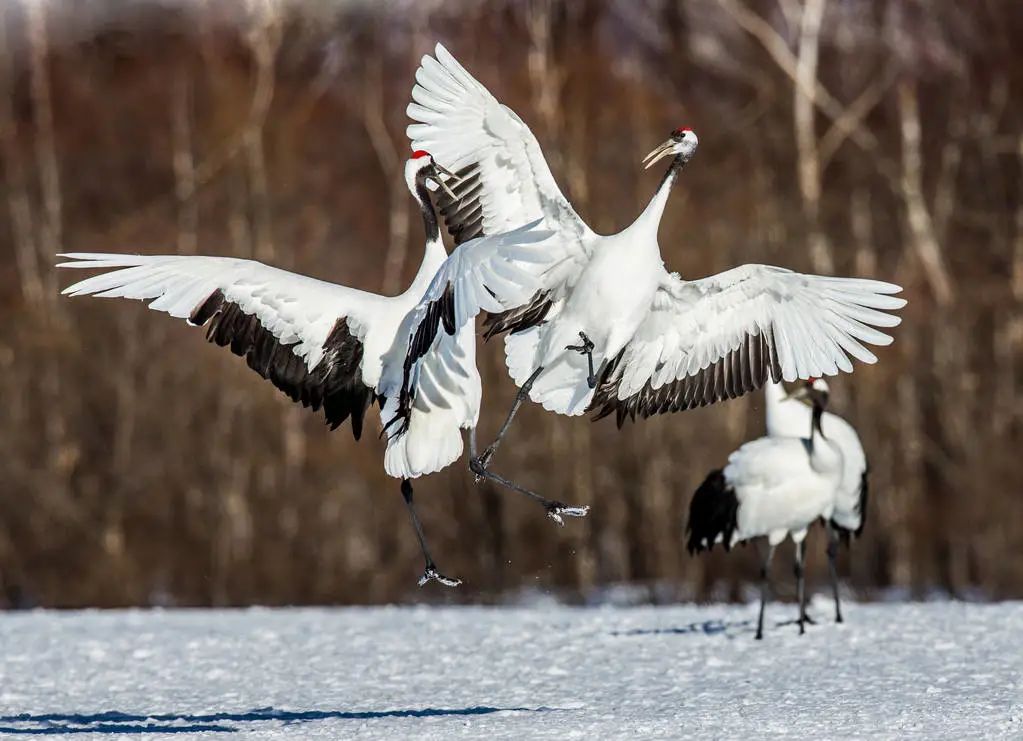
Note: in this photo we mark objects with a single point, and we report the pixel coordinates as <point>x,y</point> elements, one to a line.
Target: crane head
<point>422,167</point>
<point>682,143</point>
<point>816,390</point>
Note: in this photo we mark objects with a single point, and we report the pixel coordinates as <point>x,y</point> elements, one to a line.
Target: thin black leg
<point>555,510</point>
<point>801,584</point>
<point>431,568</point>
<point>484,460</point>
<point>833,568</point>
<point>765,588</point>
<point>586,348</point>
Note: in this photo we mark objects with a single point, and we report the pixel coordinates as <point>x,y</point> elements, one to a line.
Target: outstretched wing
<point>505,180</point>
<point>305,336</point>
<point>484,274</point>
<point>466,129</point>
<point>720,337</point>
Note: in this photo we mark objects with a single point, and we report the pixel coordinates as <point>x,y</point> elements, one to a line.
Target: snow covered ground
<point>933,670</point>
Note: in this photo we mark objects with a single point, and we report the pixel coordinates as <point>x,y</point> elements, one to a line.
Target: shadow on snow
<point>727,628</point>
<point>113,722</point>
<point>730,628</point>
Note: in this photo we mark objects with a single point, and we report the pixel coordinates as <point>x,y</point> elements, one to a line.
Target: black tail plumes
<point>844,533</point>
<point>712,513</point>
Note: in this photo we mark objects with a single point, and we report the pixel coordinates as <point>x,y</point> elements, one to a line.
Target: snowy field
<point>929,671</point>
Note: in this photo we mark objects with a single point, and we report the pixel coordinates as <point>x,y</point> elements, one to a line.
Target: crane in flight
<point>609,329</point>
<point>328,346</point>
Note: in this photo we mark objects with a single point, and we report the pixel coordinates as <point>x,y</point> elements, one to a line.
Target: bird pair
<point>591,322</point>
<point>810,466</point>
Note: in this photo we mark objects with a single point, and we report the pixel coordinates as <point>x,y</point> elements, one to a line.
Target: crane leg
<point>431,568</point>
<point>833,569</point>
<point>484,460</point>
<point>800,571</point>
<point>586,348</point>
<point>557,511</point>
<point>765,589</point>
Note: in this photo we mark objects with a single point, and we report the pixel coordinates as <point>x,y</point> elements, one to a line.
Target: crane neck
<point>651,216</point>
<point>434,253</point>
<point>815,423</point>
<point>422,196</point>
<point>823,453</point>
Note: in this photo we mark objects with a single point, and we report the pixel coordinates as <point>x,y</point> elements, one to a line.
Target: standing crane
<point>328,346</point>
<point>788,417</point>
<point>773,488</point>
<point>609,329</point>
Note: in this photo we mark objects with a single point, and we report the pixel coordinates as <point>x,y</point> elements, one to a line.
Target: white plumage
<point>781,490</point>
<point>773,487</point>
<point>788,417</point>
<point>326,345</point>
<point>659,343</point>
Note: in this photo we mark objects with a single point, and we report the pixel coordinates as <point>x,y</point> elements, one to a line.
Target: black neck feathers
<point>426,206</point>
<point>818,412</point>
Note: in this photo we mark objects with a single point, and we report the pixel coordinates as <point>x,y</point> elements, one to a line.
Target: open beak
<point>441,170</point>
<point>801,392</point>
<point>663,150</point>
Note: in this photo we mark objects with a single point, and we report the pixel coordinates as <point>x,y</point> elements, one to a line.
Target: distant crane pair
<point>809,466</point>
<point>592,322</point>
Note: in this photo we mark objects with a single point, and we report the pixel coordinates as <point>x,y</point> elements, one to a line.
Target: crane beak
<point>451,177</point>
<point>801,392</point>
<point>663,150</point>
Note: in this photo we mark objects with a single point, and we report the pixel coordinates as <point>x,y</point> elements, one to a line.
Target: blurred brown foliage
<point>142,466</point>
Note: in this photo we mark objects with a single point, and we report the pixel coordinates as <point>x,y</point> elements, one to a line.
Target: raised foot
<point>585,347</point>
<point>431,574</point>
<point>478,466</point>
<point>557,511</point>
<point>809,620</point>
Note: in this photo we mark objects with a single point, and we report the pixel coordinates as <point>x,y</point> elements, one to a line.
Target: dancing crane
<point>772,487</point>
<point>609,329</point>
<point>788,417</point>
<point>325,345</point>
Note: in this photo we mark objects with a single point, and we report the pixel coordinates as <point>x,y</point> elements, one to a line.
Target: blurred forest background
<point>140,465</point>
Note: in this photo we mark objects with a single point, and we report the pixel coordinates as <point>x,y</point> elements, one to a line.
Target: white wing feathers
<point>460,123</point>
<point>815,320</point>
<point>490,274</point>
<point>486,274</point>
<point>733,330</point>
<point>298,311</point>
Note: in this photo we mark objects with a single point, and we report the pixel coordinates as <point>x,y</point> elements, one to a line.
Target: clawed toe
<point>557,511</point>
<point>431,574</point>
<point>479,465</point>
<point>584,348</point>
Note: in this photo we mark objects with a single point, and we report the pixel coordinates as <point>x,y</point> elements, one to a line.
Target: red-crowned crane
<point>773,488</point>
<point>328,346</point>
<point>788,416</point>
<point>609,329</point>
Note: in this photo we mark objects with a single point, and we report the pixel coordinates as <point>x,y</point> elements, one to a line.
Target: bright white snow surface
<point>932,670</point>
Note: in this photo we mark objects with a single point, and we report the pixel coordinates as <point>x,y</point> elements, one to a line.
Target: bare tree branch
<point>787,62</point>
<point>373,119</point>
<point>921,226</point>
<point>809,164</point>
<point>18,202</point>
